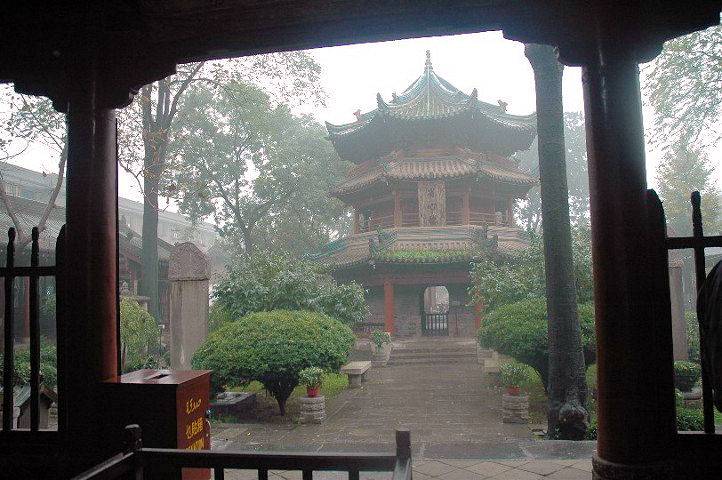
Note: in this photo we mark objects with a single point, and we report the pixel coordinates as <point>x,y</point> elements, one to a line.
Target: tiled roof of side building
<point>430,98</point>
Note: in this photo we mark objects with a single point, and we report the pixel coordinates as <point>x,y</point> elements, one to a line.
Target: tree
<point>567,414</point>
<point>683,86</point>
<point>256,168</point>
<point>498,280</point>
<point>31,120</point>
<point>272,348</point>
<point>528,211</point>
<point>685,168</point>
<point>149,126</point>
<point>272,282</point>
<point>139,337</point>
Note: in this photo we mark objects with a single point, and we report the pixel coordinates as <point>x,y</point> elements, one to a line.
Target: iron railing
<point>698,242</point>
<point>10,272</point>
<point>435,324</point>
<point>136,459</point>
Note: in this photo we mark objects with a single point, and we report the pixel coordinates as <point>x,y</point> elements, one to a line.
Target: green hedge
<point>48,365</point>
<point>520,331</point>
<point>272,348</point>
<point>686,375</point>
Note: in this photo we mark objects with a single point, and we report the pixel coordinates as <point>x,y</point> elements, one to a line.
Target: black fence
<point>10,273</point>
<point>435,324</point>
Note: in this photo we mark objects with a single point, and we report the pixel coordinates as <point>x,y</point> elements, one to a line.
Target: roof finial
<point>428,58</point>
<point>357,114</point>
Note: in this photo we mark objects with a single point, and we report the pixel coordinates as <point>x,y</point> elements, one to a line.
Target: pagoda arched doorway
<point>435,311</point>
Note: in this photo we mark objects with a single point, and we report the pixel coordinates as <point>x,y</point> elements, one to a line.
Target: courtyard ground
<point>453,411</point>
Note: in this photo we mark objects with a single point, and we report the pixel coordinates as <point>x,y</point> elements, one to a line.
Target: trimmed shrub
<point>273,347</point>
<point>139,337</point>
<point>690,419</point>
<point>686,374</point>
<point>275,282</point>
<point>520,331</point>
<point>48,365</point>
<point>311,377</point>
<point>514,374</point>
<point>378,339</point>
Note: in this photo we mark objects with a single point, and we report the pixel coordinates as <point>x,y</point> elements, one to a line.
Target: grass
<point>267,408</point>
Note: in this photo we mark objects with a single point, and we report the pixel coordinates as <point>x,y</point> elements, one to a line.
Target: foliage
<point>272,348</point>
<point>379,338</point>
<point>692,328</point>
<point>271,282</point>
<point>690,419</point>
<point>311,377</point>
<point>591,376</point>
<point>678,398</point>
<point>514,374</point>
<point>528,211</point>
<point>421,256</point>
<point>139,337</point>
<point>683,87</point>
<point>218,316</point>
<point>505,279</point>
<point>686,374</point>
<point>682,170</point>
<point>520,331</point>
<point>261,172</point>
<point>48,365</point>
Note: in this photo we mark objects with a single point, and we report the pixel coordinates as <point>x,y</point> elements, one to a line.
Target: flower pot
<point>379,358</point>
<point>312,391</point>
<point>513,390</point>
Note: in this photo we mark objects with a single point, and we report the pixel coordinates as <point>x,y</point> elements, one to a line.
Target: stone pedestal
<point>188,273</point>
<point>693,399</point>
<point>380,358</point>
<point>515,408</point>
<point>313,409</point>
<point>233,404</point>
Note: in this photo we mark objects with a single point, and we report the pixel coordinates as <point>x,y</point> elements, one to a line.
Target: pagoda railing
<point>410,219</point>
<point>498,219</point>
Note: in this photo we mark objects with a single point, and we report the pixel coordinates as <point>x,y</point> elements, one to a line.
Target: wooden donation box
<point>170,407</point>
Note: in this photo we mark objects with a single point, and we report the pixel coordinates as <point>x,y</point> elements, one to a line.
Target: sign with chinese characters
<point>193,427</point>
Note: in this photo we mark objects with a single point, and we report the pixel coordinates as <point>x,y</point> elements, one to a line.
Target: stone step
<point>417,354</point>
<point>432,360</point>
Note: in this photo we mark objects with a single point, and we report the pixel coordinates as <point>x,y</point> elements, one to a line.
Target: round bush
<point>690,419</point>
<point>273,347</point>
<point>686,374</point>
<point>520,331</point>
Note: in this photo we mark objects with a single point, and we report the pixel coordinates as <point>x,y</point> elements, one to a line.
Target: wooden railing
<point>135,459</point>
<point>385,221</point>
<point>499,220</point>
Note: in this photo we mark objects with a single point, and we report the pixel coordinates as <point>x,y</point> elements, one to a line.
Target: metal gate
<point>435,324</point>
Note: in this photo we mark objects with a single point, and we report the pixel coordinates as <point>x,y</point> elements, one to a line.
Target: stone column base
<point>515,408</point>
<point>313,409</point>
<point>604,470</point>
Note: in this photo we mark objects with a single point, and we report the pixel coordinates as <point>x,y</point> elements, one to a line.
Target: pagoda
<point>433,182</point>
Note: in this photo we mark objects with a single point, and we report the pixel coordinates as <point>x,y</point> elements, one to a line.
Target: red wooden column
<point>397,209</point>
<point>91,350</point>
<point>466,216</point>
<point>634,346</point>
<point>388,306</point>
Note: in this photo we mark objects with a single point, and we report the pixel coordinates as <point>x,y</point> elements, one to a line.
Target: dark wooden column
<point>466,216</point>
<point>389,306</point>
<point>397,209</point>
<point>90,306</point>
<point>634,359</point>
<point>356,225</point>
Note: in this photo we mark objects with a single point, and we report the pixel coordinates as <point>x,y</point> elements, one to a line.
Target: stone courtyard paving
<point>453,412</point>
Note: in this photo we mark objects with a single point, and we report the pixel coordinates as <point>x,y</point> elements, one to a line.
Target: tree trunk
<point>567,390</point>
<point>149,277</point>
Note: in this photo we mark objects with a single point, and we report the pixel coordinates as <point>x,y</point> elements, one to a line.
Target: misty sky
<point>352,75</point>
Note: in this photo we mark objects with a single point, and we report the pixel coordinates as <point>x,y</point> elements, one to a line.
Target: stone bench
<point>356,372</point>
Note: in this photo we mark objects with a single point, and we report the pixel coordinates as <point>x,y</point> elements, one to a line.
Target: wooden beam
<point>397,209</point>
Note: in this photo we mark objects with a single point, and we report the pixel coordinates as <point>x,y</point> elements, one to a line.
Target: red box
<point>170,407</point>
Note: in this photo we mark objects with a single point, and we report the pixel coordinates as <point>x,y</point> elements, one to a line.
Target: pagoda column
<point>397,208</point>
<point>466,214</point>
<point>356,224</point>
<point>636,429</point>
<point>388,306</point>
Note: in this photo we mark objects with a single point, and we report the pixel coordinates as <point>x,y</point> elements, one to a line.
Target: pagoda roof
<point>420,245</point>
<point>432,102</point>
<point>462,163</point>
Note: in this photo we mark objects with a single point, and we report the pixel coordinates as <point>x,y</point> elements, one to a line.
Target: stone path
<point>453,412</point>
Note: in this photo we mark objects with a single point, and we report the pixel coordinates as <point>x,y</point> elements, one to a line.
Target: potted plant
<point>686,375</point>
<point>512,376</point>
<point>379,356</point>
<point>312,378</point>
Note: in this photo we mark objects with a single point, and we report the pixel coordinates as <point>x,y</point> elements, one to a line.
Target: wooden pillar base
<point>604,470</point>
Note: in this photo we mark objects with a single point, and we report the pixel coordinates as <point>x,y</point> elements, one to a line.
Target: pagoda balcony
<point>453,218</point>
